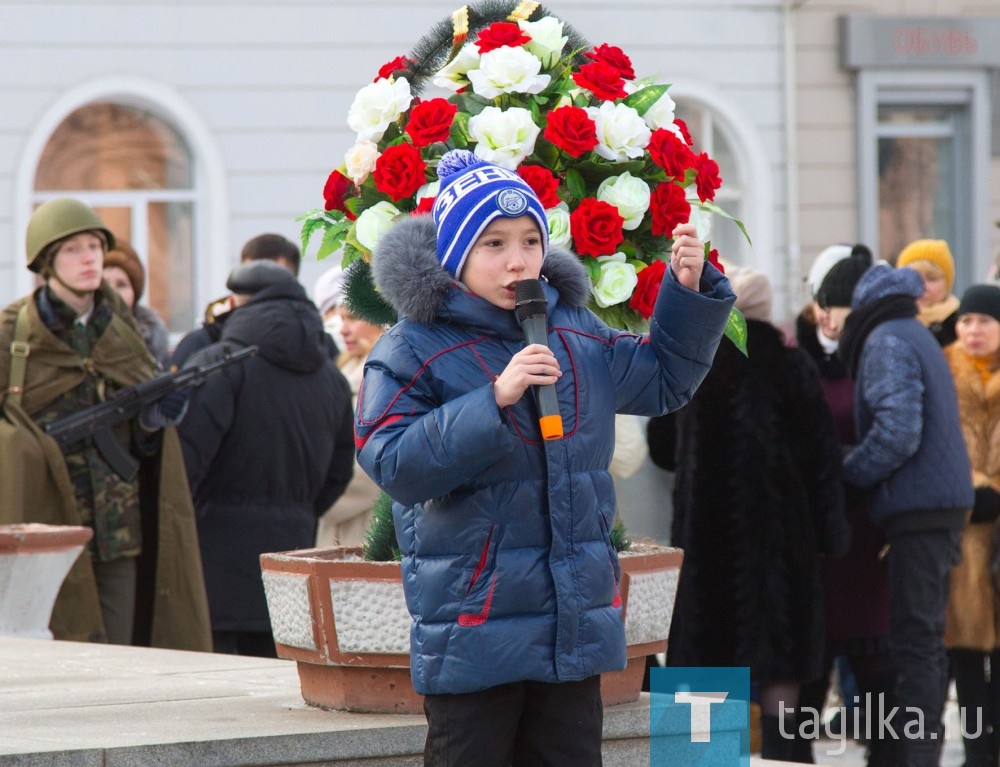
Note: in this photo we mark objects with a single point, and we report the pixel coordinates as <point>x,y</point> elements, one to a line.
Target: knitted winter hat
<point>123,256</point>
<point>838,284</point>
<point>329,290</point>
<point>473,193</point>
<point>823,263</point>
<point>981,299</point>
<point>935,252</point>
<point>753,293</point>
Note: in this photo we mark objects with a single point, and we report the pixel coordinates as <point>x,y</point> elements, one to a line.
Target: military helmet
<point>56,220</point>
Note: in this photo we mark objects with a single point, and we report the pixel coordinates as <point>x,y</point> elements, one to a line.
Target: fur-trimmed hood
<point>406,270</point>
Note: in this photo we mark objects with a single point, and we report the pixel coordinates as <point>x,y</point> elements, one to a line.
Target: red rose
<point>571,129</point>
<point>431,121</point>
<point>424,206</point>
<point>603,80</point>
<point>648,288</point>
<point>543,182</point>
<point>396,65</point>
<point>670,152</point>
<point>670,208</point>
<point>337,189</point>
<point>399,171</point>
<point>596,227</point>
<point>713,259</point>
<point>499,34</point>
<point>683,126</point>
<point>708,179</point>
<point>614,56</point>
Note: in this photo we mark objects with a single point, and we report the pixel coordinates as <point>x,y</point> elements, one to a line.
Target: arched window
<point>709,136</point>
<point>137,171</point>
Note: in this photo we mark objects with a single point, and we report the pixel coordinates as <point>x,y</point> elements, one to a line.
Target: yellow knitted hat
<point>935,252</point>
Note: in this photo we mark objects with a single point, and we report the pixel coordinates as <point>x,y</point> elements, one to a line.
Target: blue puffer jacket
<point>910,446</point>
<point>508,568</point>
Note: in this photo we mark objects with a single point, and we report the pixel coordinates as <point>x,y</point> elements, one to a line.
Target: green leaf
<point>643,99</point>
<point>593,268</point>
<point>594,173</point>
<point>333,239</point>
<point>736,330</point>
<point>460,135</point>
<point>711,207</point>
<point>470,103</point>
<point>576,185</point>
<point>309,227</point>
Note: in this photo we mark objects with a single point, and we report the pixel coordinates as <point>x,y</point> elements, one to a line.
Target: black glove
<point>167,411</point>
<point>987,505</point>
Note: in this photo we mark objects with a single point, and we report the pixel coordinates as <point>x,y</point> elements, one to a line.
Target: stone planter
<point>344,621</point>
<point>34,560</point>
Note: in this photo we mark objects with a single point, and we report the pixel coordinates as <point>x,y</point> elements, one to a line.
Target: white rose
<point>376,105</point>
<point>504,138</point>
<point>507,70</point>
<point>617,281</point>
<point>627,193</point>
<point>559,232</point>
<point>621,132</point>
<point>375,222</point>
<point>360,161</point>
<point>661,114</point>
<point>547,39</point>
<point>453,76</point>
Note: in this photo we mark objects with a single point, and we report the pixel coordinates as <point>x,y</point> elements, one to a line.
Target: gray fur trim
<point>407,272</point>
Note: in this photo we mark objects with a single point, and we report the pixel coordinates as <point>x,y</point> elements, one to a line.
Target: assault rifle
<point>96,422</point>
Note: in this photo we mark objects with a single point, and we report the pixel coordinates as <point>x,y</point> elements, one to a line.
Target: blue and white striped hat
<point>474,193</point>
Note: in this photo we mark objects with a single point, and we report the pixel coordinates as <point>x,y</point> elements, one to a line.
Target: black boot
<point>774,745</point>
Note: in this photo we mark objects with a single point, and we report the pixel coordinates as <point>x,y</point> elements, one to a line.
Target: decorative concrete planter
<point>34,560</point>
<point>344,621</point>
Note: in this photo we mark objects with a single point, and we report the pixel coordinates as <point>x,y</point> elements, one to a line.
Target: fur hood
<point>406,270</point>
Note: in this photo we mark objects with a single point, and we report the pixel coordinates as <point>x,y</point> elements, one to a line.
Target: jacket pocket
<point>480,617</point>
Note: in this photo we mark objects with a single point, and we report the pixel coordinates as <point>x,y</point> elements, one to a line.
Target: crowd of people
<point>837,488</point>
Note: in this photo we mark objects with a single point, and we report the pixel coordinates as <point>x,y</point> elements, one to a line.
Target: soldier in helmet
<point>71,344</point>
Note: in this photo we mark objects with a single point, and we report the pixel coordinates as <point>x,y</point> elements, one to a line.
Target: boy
<point>508,567</point>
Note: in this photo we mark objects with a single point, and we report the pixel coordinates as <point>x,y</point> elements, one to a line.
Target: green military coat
<point>172,609</point>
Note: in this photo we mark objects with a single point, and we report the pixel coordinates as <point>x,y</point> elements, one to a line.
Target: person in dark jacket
<point>263,247</point>
<point>856,586</point>
<point>123,271</point>
<point>268,447</point>
<point>758,499</point>
<point>911,457</point>
<point>508,566</point>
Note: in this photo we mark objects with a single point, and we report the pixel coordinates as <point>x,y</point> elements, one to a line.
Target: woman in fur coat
<point>758,500</point>
<point>973,623</point>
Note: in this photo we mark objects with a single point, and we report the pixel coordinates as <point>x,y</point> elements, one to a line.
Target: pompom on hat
<point>935,252</point>
<point>981,299</point>
<point>474,193</point>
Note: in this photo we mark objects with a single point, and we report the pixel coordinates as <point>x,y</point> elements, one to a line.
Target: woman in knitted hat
<point>124,272</point>
<point>972,634</point>
<point>938,305</point>
<point>855,586</point>
<point>508,567</point>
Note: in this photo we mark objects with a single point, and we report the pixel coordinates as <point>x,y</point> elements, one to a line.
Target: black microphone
<point>530,306</point>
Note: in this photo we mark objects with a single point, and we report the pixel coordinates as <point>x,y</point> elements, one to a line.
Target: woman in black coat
<point>757,501</point>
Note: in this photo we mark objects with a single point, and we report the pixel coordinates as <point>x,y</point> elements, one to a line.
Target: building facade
<point>193,126</point>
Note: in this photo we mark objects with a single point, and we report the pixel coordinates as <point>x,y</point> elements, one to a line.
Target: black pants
<point>977,682</point>
<point>919,565</point>
<point>524,724</point>
<point>256,643</point>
